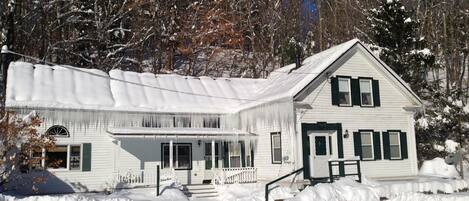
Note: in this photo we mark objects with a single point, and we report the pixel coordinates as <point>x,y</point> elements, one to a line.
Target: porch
<point>188,155</point>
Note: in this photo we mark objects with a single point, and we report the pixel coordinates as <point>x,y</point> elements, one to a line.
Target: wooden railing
<point>142,177</point>
<point>345,163</point>
<point>235,175</point>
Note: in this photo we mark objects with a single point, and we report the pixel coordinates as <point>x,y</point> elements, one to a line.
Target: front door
<point>321,146</point>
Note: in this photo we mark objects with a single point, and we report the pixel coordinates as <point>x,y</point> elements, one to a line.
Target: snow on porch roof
<point>43,86</point>
<point>177,132</point>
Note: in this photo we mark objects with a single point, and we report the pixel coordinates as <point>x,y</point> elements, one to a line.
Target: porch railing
<point>142,177</point>
<point>239,175</point>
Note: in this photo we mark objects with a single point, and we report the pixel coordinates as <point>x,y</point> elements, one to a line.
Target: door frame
<point>320,126</point>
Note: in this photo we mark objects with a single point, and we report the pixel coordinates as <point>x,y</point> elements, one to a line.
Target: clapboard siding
<point>263,154</point>
<point>390,116</point>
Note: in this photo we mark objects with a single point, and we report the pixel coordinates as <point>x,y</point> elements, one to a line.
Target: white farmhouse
<point>115,129</point>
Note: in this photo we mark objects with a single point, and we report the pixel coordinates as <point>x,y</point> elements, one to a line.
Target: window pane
<point>235,149</point>
<point>395,153</point>
<point>248,161</point>
<point>344,98</point>
<point>366,99</point>
<point>278,155</point>
<point>211,122</point>
<point>343,85</point>
<point>182,122</point>
<point>365,86</point>
<point>235,161</point>
<point>165,156</point>
<point>36,159</point>
<point>276,141</point>
<point>183,156</point>
<point>366,138</point>
<point>57,157</point>
<point>320,143</point>
<point>75,157</point>
<point>394,138</point>
<point>367,152</point>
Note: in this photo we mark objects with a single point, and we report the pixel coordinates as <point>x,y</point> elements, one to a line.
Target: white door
<point>320,152</point>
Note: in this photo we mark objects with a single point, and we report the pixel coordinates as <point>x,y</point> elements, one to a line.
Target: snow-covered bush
<point>19,140</point>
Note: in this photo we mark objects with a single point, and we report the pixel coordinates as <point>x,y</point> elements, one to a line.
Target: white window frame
<point>175,153</point>
<point>398,143</point>
<point>44,155</point>
<point>372,145</point>
<point>279,135</point>
<point>370,81</point>
<point>349,90</point>
<point>230,155</point>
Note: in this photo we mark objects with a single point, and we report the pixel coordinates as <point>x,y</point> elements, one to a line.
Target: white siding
<point>266,170</point>
<point>390,116</point>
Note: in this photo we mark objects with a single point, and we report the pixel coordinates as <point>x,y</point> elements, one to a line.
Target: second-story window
<point>182,121</point>
<point>344,92</point>
<point>211,122</point>
<point>366,92</point>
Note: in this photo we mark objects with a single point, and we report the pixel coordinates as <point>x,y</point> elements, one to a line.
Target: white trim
<point>398,143</point>
<point>349,90</point>
<point>370,81</point>
<point>372,145</point>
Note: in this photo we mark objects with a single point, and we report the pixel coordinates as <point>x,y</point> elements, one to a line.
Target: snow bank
<point>249,192</point>
<point>71,197</point>
<point>451,146</point>
<point>343,190</point>
<point>425,197</point>
<point>420,184</point>
<point>438,167</point>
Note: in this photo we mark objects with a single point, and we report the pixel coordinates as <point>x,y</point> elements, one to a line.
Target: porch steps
<point>201,191</point>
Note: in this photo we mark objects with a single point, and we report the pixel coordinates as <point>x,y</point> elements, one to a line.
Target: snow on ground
<point>344,189</point>
<point>137,194</point>
<point>252,192</point>
<point>425,197</point>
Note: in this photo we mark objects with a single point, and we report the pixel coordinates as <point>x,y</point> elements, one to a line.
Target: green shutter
<point>357,142</point>
<point>335,91</point>
<point>376,97</point>
<point>226,162</point>
<point>403,138</point>
<point>386,146</point>
<point>86,157</point>
<point>243,155</point>
<point>252,156</point>
<point>355,84</point>
<point>377,145</point>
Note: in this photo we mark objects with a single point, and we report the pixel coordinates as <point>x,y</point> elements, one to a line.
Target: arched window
<point>58,131</point>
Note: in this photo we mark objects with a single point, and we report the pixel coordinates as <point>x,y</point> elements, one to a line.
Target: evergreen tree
<point>394,31</point>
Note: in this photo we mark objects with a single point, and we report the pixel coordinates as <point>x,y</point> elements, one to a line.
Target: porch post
<point>213,154</point>
<point>171,154</point>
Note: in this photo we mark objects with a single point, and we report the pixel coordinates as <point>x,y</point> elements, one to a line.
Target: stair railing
<point>278,179</point>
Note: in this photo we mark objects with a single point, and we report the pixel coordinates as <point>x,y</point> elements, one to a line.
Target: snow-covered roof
<point>44,86</point>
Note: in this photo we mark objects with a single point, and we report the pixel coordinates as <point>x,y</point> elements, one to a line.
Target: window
<point>63,157</point>
<point>36,159</point>
<point>182,156</point>
<point>320,144</point>
<point>58,131</point>
<point>276,142</point>
<point>208,156</point>
<point>182,122</point>
<point>212,122</point>
<point>367,145</point>
<point>152,122</point>
<point>235,154</point>
<point>75,157</point>
<point>395,145</point>
<point>366,96</point>
<point>344,92</point>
